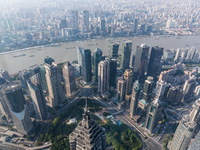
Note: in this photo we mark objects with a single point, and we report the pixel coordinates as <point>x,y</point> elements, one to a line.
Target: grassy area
<point>121,137</point>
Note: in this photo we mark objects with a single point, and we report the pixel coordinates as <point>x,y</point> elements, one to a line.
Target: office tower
<point>154,66</point>
<point>183,134</point>
<point>143,29</point>
<point>148,88</point>
<point>69,79</point>
<point>97,59</point>
<point>37,96</point>
<point>24,77</point>
<point>18,108</point>
<point>103,27</point>
<point>161,90</point>
<point>113,72</point>
<point>134,99</point>
<point>103,76</point>
<point>195,144</point>
<point>88,135</point>
<point>85,21</point>
<point>73,19</point>
<point>4,74</point>
<point>114,50</point>
<point>63,23</point>
<point>49,60</point>
<point>53,79</point>
<point>188,88</point>
<point>4,110</point>
<point>174,95</point>
<point>135,30</point>
<point>186,129</point>
<point>128,76</point>
<point>141,62</point>
<point>35,69</point>
<point>121,90</point>
<point>153,116</point>
<point>84,60</point>
<point>127,55</point>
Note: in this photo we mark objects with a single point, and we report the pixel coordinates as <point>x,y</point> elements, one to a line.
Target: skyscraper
<point>153,116</point>
<point>55,90</point>
<point>134,99</point>
<point>37,96</point>
<point>135,30</point>
<point>24,77</point>
<point>114,50</point>
<point>174,95</point>
<point>121,90</point>
<point>128,76</point>
<point>85,21</point>
<point>103,76</point>
<point>97,59</point>
<point>126,55</point>
<point>113,72</point>
<point>148,88</point>
<point>73,19</point>
<point>69,79</point>
<point>195,143</point>
<point>88,135</point>
<point>141,62</point>
<point>103,27</point>
<point>188,88</point>
<point>84,60</point>
<point>4,74</point>
<point>18,108</point>
<point>154,66</point>
<point>185,129</point>
<point>161,90</point>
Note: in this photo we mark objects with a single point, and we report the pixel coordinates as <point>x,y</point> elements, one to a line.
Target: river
<point>19,60</point>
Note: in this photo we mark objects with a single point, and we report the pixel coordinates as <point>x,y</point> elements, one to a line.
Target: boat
<point>31,55</point>
<point>19,55</point>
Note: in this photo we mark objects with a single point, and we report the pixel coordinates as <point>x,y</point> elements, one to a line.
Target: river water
<point>19,60</point>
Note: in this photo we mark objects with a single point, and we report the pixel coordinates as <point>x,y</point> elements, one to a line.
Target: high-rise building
<point>148,88</point>
<point>135,30</point>
<point>188,88</point>
<point>48,60</point>
<point>121,90</point>
<point>154,66</point>
<point>97,59</point>
<point>186,129</point>
<point>84,60</point>
<point>35,69</point>
<point>69,79</point>
<point>24,77</point>
<point>141,62</point>
<point>114,50</point>
<point>113,72</point>
<point>85,21</point>
<point>153,116</point>
<point>161,90</point>
<point>73,19</point>
<point>103,27</point>
<point>195,143</point>
<point>128,76</point>
<point>18,108</point>
<point>174,95</point>
<point>4,74</point>
<point>134,99</point>
<point>127,55</point>
<point>103,76</point>
<point>37,96</point>
<point>55,90</point>
<point>88,135</point>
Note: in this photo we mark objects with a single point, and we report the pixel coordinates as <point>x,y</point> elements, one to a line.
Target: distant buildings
<point>69,79</point>
<point>88,135</point>
<point>103,76</point>
<point>18,108</point>
<point>188,88</point>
